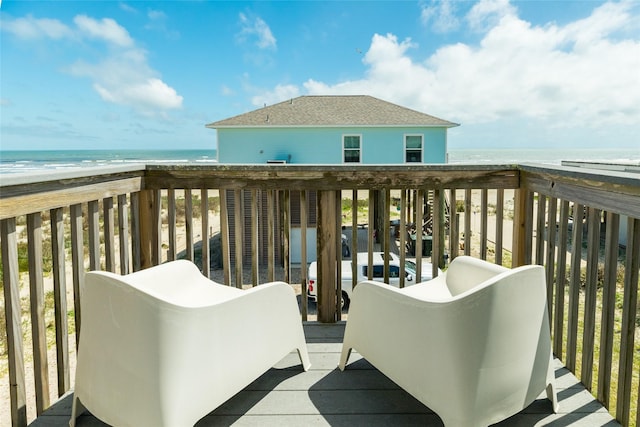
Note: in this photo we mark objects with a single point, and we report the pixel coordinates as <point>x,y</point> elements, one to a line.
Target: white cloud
<point>147,95</point>
<point>582,74</point>
<point>125,78</point>
<point>127,8</point>
<point>256,28</point>
<point>122,76</point>
<point>488,13</point>
<point>278,94</point>
<point>158,22</point>
<point>441,13</point>
<point>106,29</point>
<point>37,28</point>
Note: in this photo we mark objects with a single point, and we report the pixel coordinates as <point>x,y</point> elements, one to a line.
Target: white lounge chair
<point>473,344</point>
<point>165,346</point>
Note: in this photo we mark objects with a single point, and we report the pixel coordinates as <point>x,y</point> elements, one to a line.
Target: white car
<point>363,274</point>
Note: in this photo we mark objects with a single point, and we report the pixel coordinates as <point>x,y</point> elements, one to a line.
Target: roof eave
<point>214,126</point>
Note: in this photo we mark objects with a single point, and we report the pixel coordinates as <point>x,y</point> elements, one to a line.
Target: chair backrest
<point>466,272</point>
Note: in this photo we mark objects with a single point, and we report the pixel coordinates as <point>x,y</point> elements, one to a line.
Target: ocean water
<point>35,161</point>
<point>546,156</point>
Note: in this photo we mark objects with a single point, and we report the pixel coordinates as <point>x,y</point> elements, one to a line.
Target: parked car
<point>363,274</point>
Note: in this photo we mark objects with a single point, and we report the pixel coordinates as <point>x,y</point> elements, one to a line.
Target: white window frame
<point>404,153</point>
<point>346,135</point>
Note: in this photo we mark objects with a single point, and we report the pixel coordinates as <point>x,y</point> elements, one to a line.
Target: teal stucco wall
<point>324,145</point>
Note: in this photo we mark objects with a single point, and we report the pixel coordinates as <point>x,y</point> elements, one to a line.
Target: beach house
<point>330,130</point>
<point>333,130</point>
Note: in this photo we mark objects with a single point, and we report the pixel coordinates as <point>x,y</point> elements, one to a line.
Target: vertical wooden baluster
<point>467,222</point>
<point>224,234</point>
<point>590,290</point>
<point>437,238</point>
<point>303,254</point>
<point>94,234</point>
<point>188,223</point>
<point>561,275</point>
<point>123,233</point>
<point>607,330</point>
<point>420,199</point>
<point>205,249</point>
<point>38,330</point>
<point>136,231</point>
<point>77,263</point>
<point>60,298</point>
<point>540,226</point>
<point>286,234</point>
<point>255,253</point>
<point>15,352</point>
<point>239,233</point>
<point>484,208</point>
<point>386,247</point>
<point>271,242</point>
<point>499,225</point>
<point>628,325</point>
<point>551,254</point>
<point>574,288</point>
<point>354,239</point>
<point>171,218</point>
<point>108,221</point>
<point>403,239</point>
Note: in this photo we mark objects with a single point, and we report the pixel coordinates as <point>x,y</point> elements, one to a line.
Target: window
<point>351,148</point>
<point>413,148</point>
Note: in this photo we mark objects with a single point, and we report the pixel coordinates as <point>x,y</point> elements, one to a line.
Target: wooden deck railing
<point>54,228</point>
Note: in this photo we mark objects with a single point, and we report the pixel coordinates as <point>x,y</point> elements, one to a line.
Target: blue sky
<point>151,74</point>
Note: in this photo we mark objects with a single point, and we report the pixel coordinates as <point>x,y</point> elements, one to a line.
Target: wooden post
<point>326,251</point>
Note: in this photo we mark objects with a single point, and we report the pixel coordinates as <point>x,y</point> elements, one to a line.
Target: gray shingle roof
<point>323,111</point>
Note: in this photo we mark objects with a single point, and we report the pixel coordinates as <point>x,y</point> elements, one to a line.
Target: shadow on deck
<point>361,395</point>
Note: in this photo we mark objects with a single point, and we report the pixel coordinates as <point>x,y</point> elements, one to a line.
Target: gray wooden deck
<point>359,396</point>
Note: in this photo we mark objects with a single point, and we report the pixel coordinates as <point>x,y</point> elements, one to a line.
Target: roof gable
<point>323,111</point>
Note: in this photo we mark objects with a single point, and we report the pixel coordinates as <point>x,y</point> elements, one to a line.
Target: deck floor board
<point>361,395</point>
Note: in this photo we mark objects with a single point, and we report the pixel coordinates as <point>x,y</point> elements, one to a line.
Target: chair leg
<point>552,395</point>
<point>303,353</point>
<point>344,357</point>
<point>77,408</point>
